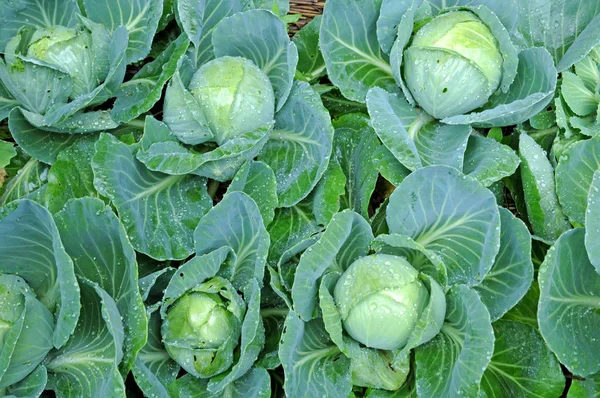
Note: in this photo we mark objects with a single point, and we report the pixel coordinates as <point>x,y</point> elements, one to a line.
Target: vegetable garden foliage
<point>402,200</point>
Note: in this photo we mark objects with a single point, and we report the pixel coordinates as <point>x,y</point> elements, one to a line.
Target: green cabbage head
<point>453,64</point>
<point>66,49</point>
<point>381,298</point>
<point>26,328</point>
<point>235,96</point>
<point>202,328</point>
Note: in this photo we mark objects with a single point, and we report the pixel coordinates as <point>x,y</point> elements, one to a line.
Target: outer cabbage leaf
<point>512,272</point>
<point>235,222</point>
<point>414,137</point>
<point>32,248</point>
<point>101,253</point>
<point>300,144</point>
<point>544,24</point>
<point>522,364</point>
<point>592,223</point>
<point>348,40</point>
<point>88,364</point>
<point>461,225</point>
<point>139,17</point>
<point>574,175</point>
<point>34,13</point>
<point>543,210</point>
<point>354,148</point>
<point>346,238</point>
<point>307,354</point>
<point>453,362</point>
<point>567,310</point>
<point>169,206</point>
<point>257,180</point>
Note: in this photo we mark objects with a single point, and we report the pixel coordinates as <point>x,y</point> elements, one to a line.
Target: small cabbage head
<point>235,96</point>
<point>202,328</point>
<point>68,50</point>
<point>26,328</point>
<point>381,299</point>
<point>453,64</point>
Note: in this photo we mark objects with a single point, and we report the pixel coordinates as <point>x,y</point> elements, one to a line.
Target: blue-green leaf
<point>254,384</point>
<point>354,148</point>
<point>311,64</point>
<point>168,206</point>
<point>488,161</point>
<point>42,145</point>
<point>87,365</point>
<point>30,177</point>
<point>346,238</point>
<point>569,300</point>
<point>31,248</point>
<point>31,386</point>
<point>412,136</point>
<point>154,369</point>
<point>452,215</point>
<point>554,25</point>
<point>139,17</point>
<point>348,40</point>
<point>47,13</point>
<point>235,222</point>
<point>101,253</point>
<point>300,144</point>
<point>574,175</point>
<point>35,87</point>
<point>592,222</point>
<point>543,210</point>
<point>198,20</point>
<point>522,364</point>
<point>7,102</point>
<point>312,364</point>
<point>257,180</point>
<point>71,176</point>
<point>453,363</point>
<point>512,272</point>
<point>290,226</point>
<point>144,89</point>
<point>590,387</point>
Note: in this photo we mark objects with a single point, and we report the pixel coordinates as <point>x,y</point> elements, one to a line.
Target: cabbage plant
<point>210,323</point>
<point>233,98</point>
<point>360,304</point>
<point>56,72</point>
<point>64,61</point>
<point>72,319</point>
<point>463,63</point>
<point>574,114</point>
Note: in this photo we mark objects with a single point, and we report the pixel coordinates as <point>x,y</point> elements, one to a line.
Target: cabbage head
<point>453,64</point>
<point>202,328</point>
<point>235,96</point>
<point>381,299</point>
